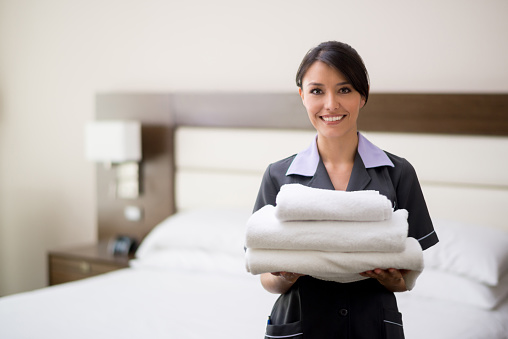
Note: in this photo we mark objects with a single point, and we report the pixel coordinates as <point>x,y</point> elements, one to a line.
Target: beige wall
<point>56,54</point>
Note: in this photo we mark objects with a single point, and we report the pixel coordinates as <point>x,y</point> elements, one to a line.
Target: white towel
<point>265,231</point>
<point>299,202</point>
<point>336,266</point>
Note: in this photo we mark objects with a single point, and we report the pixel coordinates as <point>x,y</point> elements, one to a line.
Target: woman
<point>333,84</point>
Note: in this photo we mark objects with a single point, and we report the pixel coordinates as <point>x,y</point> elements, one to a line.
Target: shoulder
<point>275,173</point>
<point>281,166</point>
<point>402,169</point>
<point>397,161</point>
<point>273,179</point>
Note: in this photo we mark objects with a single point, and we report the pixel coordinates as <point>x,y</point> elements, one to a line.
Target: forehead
<point>320,72</point>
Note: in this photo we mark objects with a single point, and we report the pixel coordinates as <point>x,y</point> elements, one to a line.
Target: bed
<point>188,279</point>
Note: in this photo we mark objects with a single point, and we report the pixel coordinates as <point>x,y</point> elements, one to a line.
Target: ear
<point>300,92</point>
<point>362,102</point>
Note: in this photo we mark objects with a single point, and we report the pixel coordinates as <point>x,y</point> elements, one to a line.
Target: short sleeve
<point>410,197</point>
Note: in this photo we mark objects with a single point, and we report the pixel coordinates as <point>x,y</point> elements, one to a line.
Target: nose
<point>331,103</point>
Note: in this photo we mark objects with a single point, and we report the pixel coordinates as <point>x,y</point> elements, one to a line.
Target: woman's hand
<point>288,276</point>
<point>279,282</point>
<point>392,279</point>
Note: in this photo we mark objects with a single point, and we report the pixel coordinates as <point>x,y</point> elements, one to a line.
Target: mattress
<point>140,303</point>
<point>150,303</point>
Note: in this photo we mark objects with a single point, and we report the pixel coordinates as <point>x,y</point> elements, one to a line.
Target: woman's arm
<point>279,282</point>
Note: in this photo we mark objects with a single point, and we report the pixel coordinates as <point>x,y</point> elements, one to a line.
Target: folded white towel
<point>299,202</point>
<point>336,266</point>
<point>265,231</point>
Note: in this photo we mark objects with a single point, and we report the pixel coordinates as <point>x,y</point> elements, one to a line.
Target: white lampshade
<point>113,141</point>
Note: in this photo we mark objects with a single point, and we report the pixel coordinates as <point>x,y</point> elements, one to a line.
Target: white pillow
<point>479,253</point>
<point>451,287</point>
<point>220,230</point>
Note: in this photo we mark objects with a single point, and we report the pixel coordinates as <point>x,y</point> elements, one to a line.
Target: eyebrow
<point>320,84</point>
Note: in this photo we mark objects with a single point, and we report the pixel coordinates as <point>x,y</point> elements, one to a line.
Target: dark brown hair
<point>343,58</point>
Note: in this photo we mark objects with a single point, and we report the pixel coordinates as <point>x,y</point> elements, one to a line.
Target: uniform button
<point>343,312</point>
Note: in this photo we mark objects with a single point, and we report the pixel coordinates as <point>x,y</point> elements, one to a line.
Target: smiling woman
<point>333,84</point>
<point>332,103</point>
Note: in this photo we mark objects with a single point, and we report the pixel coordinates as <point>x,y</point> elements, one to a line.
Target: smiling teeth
<point>335,118</point>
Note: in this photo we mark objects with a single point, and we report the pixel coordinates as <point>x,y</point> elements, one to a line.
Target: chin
<point>336,134</point>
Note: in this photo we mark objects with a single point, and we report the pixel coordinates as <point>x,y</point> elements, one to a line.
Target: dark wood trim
<point>249,110</point>
<point>472,114</point>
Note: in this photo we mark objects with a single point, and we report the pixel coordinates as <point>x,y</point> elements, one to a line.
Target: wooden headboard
<point>465,114</point>
<point>161,113</point>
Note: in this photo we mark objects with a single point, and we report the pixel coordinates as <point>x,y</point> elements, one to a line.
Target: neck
<point>339,150</point>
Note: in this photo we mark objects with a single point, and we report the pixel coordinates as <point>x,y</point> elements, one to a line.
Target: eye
<point>345,90</point>
<point>316,91</point>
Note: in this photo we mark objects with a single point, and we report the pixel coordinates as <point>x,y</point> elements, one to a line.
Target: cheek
<point>354,106</point>
<point>312,106</point>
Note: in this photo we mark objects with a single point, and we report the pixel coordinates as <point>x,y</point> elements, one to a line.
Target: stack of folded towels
<point>331,235</point>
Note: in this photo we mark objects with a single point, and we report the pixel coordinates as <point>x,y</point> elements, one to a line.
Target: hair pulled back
<point>343,58</point>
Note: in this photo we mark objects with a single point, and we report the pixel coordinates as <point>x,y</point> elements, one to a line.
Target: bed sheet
<point>150,303</point>
<point>141,303</point>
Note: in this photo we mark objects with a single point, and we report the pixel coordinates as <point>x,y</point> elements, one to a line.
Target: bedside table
<point>83,262</point>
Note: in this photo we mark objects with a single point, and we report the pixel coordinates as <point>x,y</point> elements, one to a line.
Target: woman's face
<point>331,101</point>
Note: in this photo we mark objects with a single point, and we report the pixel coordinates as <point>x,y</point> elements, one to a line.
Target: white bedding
<point>441,319</point>
<point>149,303</point>
<point>185,290</point>
<point>140,303</point>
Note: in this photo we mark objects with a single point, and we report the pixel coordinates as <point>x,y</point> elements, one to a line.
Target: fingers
<point>288,276</point>
<point>391,278</point>
<point>383,276</point>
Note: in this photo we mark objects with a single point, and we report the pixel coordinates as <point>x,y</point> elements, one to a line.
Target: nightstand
<point>83,262</point>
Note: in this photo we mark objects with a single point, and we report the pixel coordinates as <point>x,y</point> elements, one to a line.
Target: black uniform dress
<point>317,309</point>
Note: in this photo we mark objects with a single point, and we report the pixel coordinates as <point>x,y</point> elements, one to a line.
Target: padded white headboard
<point>463,177</point>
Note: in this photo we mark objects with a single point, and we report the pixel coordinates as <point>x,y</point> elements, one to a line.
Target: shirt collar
<point>306,162</point>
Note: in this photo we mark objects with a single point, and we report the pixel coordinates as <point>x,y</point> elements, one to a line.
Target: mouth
<point>332,118</point>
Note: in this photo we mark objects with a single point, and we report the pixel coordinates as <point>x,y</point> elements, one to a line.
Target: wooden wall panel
<point>475,114</point>
<point>157,167</point>
<point>478,114</point>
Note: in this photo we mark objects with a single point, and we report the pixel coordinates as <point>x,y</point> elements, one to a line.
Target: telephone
<point>122,245</point>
